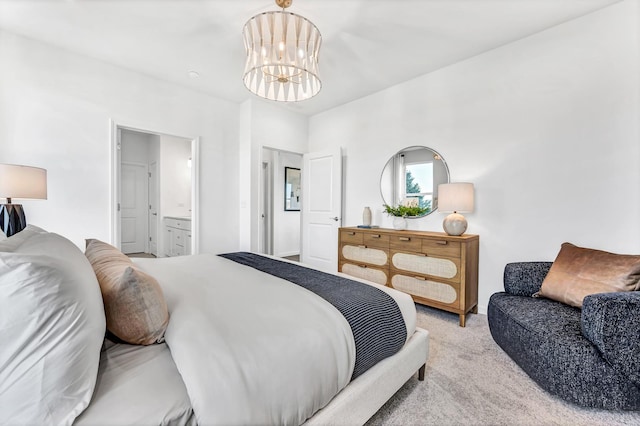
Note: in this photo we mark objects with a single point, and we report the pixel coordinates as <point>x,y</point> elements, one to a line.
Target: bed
<point>241,346</point>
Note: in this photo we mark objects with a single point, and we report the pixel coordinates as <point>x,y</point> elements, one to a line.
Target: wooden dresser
<point>436,269</point>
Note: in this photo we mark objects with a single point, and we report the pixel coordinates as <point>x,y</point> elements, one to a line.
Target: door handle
<point>154,214</point>
<point>335,218</point>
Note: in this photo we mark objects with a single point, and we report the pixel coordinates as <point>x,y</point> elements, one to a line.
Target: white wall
<point>546,128</point>
<point>55,108</point>
<point>175,179</point>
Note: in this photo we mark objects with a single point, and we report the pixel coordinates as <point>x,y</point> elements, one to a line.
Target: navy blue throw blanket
<point>375,318</point>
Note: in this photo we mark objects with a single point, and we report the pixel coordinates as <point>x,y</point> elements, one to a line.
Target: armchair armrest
<point>525,278</point>
<point>611,321</point>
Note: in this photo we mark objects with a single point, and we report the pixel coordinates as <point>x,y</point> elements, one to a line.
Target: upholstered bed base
<point>364,396</point>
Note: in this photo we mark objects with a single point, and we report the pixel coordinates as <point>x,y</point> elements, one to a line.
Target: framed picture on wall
<point>292,189</point>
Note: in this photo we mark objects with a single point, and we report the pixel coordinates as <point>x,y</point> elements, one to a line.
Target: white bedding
<point>252,348</point>
<point>138,385</point>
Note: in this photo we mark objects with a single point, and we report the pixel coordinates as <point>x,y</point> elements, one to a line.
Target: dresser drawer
<point>420,287</point>
<point>364,254</point>
<point>351,237</point>
<point>378,276</point>
<point>439,267</point>
<point>376,240</point>
<point>405,243</point>
<point>441,247</point>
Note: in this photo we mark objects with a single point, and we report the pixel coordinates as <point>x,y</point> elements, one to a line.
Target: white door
<point>133,205</point>
<point>321,209</point>
<point>153,209</point>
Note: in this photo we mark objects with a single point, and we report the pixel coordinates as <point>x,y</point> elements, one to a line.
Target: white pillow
<point>52,326</point>
<point>13,242</point>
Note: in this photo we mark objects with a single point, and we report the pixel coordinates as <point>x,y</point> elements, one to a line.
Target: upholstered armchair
<point>588,356</point>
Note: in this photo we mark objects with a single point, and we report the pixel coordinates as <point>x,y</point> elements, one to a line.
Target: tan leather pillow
<point>134,305</point>
<point>578,272</point>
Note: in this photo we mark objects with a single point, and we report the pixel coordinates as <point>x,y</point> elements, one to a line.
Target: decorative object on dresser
<point>436,269</point>
<point>409,207</point>
<point>19,182</point>
<point>455,197</point>
<point>366,216</point>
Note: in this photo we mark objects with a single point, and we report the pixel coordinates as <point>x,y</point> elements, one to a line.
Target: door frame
<point>157,200</point>
<point>114,181</point>
<point>272,202</point>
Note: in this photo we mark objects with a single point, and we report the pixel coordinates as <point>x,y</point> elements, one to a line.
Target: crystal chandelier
<point>282,55</point>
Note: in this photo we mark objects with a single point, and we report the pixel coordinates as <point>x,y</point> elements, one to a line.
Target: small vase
<point>366,216</point>
<point>399,223</point>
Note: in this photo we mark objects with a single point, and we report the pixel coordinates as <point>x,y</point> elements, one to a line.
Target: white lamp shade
<point>455,197</point>
<point>23,182</point>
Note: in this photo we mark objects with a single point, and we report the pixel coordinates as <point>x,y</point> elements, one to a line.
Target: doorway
<point>279,222</point>
<point>154,187</point>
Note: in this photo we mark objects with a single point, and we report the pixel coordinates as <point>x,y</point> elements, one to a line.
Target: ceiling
<point>368,45</point>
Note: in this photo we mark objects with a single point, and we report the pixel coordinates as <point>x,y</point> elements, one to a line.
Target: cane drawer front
<point>364,254</point>
<point>426,289</point>
<point>373,274</point>
<point>351,237</point>
<point>376,240</point>
<point>440,268</point>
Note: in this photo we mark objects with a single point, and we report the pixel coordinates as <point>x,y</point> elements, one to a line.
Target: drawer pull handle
<point>404,239</point>
<point>362,246</point>
<point>375,236</point>
<point>420,278</point>
<point>363,266</point>
<point>351,233</point>
<point>442,243</point>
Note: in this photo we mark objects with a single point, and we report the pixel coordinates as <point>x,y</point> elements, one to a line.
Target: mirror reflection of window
<point>419,183</point>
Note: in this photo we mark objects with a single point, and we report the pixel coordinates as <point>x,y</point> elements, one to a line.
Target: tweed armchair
<point>590,357</point>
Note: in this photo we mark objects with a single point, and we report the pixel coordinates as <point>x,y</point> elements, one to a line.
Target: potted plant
<point>409,207</point>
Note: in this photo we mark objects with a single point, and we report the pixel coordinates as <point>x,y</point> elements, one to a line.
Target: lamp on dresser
<point>22,182</point>
<point>455,197</point>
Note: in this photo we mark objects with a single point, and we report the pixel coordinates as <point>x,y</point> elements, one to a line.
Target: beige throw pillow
<point>578,272</point>
<point>134,305</point>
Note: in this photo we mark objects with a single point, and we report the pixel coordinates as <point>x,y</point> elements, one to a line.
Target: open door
<point>321,209</point>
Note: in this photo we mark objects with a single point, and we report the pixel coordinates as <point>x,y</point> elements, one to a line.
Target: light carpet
<point>470,381</point>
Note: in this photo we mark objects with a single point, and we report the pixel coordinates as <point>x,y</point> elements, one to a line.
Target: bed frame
<point>364,396</point>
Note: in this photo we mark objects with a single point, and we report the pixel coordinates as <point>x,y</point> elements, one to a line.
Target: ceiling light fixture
<point>282,55</point>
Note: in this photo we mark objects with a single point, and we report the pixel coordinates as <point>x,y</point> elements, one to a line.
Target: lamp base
<point>454,224</point>
<point>12,219</point>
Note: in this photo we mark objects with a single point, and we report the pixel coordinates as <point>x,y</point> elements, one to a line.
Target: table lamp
<point>23,182</point>
<point>455,197</point>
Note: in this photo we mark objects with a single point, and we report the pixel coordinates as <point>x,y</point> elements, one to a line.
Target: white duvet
<point>252,348</point>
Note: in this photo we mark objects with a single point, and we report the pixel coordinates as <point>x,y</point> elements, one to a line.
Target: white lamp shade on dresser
<point>455,197</point>
<point>23,182</point>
